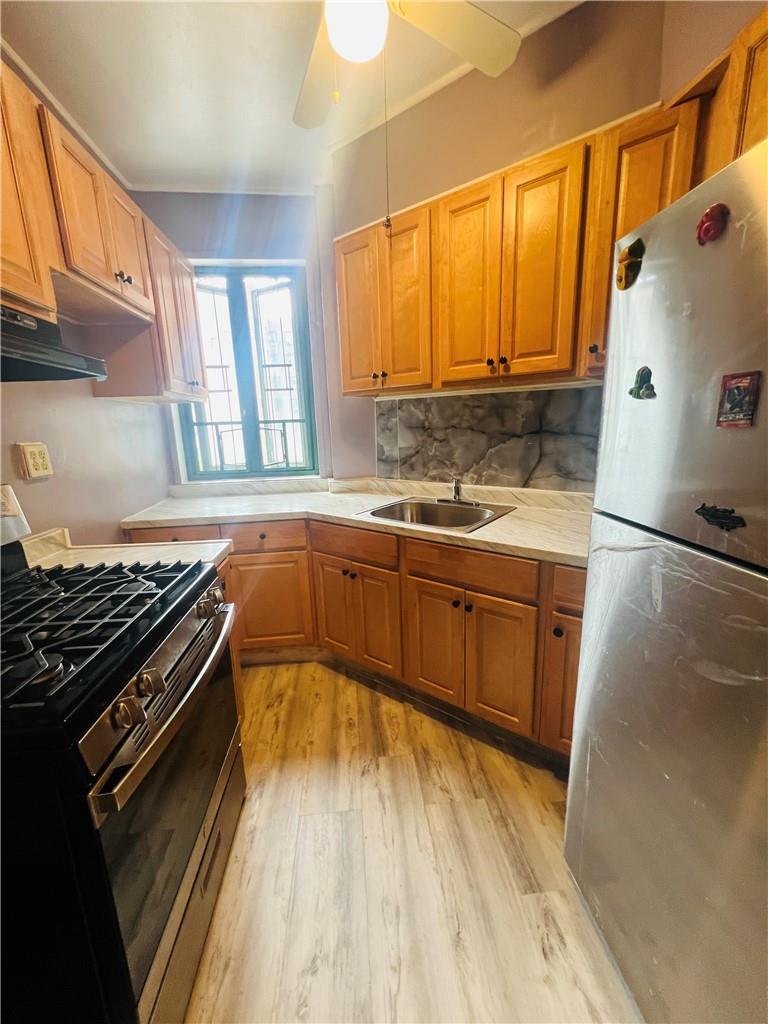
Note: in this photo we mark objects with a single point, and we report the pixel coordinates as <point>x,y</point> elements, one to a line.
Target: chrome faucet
<point>456,488</point>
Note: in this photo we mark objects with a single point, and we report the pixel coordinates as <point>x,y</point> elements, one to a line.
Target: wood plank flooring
<point>389,868</point>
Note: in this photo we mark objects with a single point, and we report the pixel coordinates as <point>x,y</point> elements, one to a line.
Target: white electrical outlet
<point>34,460</point>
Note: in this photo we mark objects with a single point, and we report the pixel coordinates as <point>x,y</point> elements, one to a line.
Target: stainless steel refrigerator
<point>667,800</point>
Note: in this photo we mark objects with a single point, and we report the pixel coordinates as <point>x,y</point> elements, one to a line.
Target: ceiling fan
<point>357,31</point>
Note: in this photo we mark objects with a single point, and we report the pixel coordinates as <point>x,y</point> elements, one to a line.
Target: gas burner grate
<point>63,629</point>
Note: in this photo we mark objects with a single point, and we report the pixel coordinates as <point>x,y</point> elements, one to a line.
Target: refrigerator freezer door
<point>667,814</point>
<point>694,314</point>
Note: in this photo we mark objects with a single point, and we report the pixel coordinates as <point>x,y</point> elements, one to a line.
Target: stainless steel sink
<point>445,515</point>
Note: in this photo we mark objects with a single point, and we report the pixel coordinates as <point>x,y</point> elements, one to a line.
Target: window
<point>258,419</point>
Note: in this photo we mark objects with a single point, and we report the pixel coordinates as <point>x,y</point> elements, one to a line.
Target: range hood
<point>32,349</point>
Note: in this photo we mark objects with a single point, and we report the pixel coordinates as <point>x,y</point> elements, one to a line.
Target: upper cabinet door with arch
<point>80,190</point>
<point>641,166</point>
<point>28,244</point>
<point>406,312</point>
<point>542,241</point>
<point>358,290</point>
<point>752,45</point>
<point>467,279</point>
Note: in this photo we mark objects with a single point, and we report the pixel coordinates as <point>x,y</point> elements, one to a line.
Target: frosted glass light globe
<point>357,29</point>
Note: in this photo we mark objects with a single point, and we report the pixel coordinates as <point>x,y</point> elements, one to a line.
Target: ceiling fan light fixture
<point>357,29</point>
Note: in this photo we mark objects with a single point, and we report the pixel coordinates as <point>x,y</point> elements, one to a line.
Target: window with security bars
<point>258,419</point>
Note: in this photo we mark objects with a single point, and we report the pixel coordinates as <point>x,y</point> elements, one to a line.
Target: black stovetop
<point>66,631</point>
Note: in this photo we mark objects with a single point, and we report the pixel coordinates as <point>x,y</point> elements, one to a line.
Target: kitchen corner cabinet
<point>543,201</point>
<point>358,612</point>
<point>28,239</point>
<point>272,594</point>
<point>164,362</point>
<point>467,280</point>
<point>640,167</point>
<point>384,296</point>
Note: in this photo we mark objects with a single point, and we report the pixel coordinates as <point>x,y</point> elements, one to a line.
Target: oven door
<point>155,818</point>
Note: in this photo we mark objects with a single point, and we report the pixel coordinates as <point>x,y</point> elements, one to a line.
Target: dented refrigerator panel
<point>667,802</point>
<point>695,315</point>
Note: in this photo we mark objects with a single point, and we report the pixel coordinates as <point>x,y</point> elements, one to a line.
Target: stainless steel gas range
<point>122,785</point>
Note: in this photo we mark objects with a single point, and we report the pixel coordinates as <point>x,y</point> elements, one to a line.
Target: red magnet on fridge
<point>712,223</point>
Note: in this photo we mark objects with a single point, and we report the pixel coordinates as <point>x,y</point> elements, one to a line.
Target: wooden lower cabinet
<point>559,677</point>
<point>273,595</point>
<point>358,612</point>
<point>434,629</point>
<point>501,661</point>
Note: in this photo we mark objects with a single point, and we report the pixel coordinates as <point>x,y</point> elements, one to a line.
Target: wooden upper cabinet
<point>28,245</point>
<point>467,279</point>
<point>162,262</point>
<point>189,320</point>
<point>542,236</point>
<point>406,312</point>
<point>130,248</point>
<point>641,166</point>
<point>377,618</point>
<point>357,284</point>
<point>560,674</point>
<point>434,629</point>
<point>501,661</point>
<point>753,109</point>
<point>80,191</point>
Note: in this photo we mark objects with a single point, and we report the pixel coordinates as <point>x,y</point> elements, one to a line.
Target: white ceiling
<point>199,96</point>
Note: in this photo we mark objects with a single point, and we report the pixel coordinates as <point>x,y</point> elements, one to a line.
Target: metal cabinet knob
<point>490,362</point>
<point>456,603</point>
<point>384,374</point>
<point>262,536</point>
<point>127,712</point>
<point>503,360</point>
<point>353,575</point>
<point>468,607</point>
<point>194,383</point>
<point>150,682</point>
<point>374,376</point>
<point>345,572</point>
<point>128,279</point>
<point>593,349</point>
<point>557,631</point>
<point>120,275</point>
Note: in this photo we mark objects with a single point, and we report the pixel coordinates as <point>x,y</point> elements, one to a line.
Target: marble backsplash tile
<point>541,439</point>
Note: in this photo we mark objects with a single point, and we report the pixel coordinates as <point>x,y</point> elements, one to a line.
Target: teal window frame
<point>246,367</point>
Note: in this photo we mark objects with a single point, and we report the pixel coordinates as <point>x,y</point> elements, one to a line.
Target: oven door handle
<point>105,801</point>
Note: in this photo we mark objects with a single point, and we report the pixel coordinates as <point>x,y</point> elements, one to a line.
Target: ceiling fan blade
<point>317,89</point>
<point>482,40</point>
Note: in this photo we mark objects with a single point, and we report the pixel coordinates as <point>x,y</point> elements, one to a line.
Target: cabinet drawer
<point>360,545</point>
<point>166,533</point>
<point>568,587</point>
<point>499,574</point>
<point>278,535</point>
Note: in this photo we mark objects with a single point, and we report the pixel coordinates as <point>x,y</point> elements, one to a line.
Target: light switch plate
<point>34,460</point>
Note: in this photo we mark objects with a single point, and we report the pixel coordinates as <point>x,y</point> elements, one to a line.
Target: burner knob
<point>216,594</point>
<point>150,682</point>
<point>206,608</point>
<point>128,712</point>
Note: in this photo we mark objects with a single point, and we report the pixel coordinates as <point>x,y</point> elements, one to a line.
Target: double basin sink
<point>445,514</point>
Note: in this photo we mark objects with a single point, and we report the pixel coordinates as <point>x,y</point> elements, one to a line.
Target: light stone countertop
<point>547,532</point>
<point>54,547</point>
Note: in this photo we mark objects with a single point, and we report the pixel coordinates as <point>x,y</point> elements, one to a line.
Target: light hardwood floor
<point>389,868</point>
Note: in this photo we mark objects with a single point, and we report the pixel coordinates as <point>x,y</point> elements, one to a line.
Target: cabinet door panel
<point>561,670</point>
<point>468,281</point>
<point>435,636</point>
<point>26,241</point>
<point>404,267</point>
<point>334,603</point>
<point>130,248</point>
<point>357,283</point>
<point>754,116</point>
<point>79,187</point>
<point>272,592</point>
<point>377,618</point>
<point>191,334</point>
<point>501,659</point>
<point>542,234</point>
<point>640,167</point>
<point>162,259</point>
